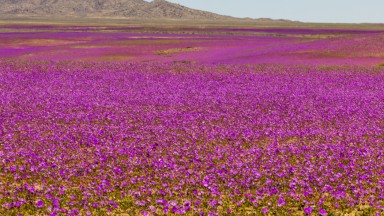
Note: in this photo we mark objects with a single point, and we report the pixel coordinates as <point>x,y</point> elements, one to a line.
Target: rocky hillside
<point>101,8</point>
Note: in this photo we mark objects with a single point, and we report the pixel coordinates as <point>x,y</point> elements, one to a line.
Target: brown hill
<point>102,8</point>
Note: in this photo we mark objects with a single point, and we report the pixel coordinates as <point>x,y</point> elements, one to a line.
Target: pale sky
<point>334,11</point>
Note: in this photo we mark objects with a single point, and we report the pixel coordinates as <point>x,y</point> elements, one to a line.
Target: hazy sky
<point>350,11</point>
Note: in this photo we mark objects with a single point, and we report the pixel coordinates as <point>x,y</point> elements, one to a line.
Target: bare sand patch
<point>178,50</point>
<point>18,43</point>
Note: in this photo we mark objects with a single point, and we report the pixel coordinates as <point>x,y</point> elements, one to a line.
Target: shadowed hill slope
<point>102,8</point>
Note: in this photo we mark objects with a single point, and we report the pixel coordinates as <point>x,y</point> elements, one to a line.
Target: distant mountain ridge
<point>102,8</point>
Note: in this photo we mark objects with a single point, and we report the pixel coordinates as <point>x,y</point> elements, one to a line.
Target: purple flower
<point>140,203</point>
<point>281,202</point>
<point>308,210</point>
<point>323,212</point>
<point>173,203</point>
<point>56,203</point>
<point>265,210</point>
<point>161,201</point>
<point>95,205</point>
<point>187,203</point>
<point>152,208</point>
<point>13,168</point>
<point>174,209</point>
<point>17,204</point>
<point>213,202</point>
<point>39,204</point>
<point>75,211</point>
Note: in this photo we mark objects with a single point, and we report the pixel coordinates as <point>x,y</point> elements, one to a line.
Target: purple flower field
<point>83,138</point>
<point>209,46</point>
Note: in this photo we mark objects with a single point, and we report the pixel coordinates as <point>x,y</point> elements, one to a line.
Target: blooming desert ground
<point>127,121</point>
